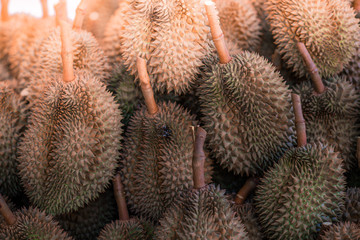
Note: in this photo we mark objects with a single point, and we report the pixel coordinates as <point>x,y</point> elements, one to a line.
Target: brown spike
<point>216,32</point>
<point>244,192</point>
<point>80,15</point>
<point>4,10</point>
<point>146,86</point>
<point>311,67</point>
<point>66,52</point>
<point>5,211</point>
<point>198,160</point>
<point>358,150</point>
<point>299,120</point>
<point>120,198</point>
<point>45,8</point>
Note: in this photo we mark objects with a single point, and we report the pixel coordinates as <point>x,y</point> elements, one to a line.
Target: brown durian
<point>171,35</point>
<point>352,205</point>
<point>351,71</point>
<point>328,28</point>
<point>342,231</point>
<point>69,152</point>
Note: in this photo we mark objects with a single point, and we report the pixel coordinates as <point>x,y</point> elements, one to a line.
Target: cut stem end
<point>299,120</point>
<point>199,158</point>
<point>120,198</point>
<point>67,52</point>
<point>244,192</point>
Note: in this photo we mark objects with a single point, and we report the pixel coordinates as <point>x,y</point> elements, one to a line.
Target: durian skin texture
<point>247,112</point>
<point>12,122</point>
<point>201,214</point>
<point>69,152</point>
<point>351,71</point>
<point>32,224</point>
<point>301,192</point>
<point>352,205</point>
<point>171,35</point>
<point>342,231</point>
<point>328,28</point>
<point>332,116</point>
<point>246,213</point>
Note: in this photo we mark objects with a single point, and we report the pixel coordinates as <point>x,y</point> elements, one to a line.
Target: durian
<point>246,110</point>
<point>12,123</point>
<point>342,231</point>
<point>171,35</point>
<point>69,152</point>
<point>351,71</point>
<point>303,191</point>
<point>352,205</point>
<point>202,212</point>
<point>4,72</point>
<point>328,28</point>
<point>157,153</point>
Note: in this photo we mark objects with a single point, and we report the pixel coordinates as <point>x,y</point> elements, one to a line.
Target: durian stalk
<point>146,86</point>
<point>5,211</point>
<point>80,15</point>
<point>216,32</point>
<point>4,10</point>
<point>66,52</point>
<point>60,11</point>
<point>357,5</point>
<point>120,198</point>
<point>44,6</point>
<point>358,151</point>
<point>198,160</point>
<point>244,192</point>
<point>311,67</point>
<point>299,120</point>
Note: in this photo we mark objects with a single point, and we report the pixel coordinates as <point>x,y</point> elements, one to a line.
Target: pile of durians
<point>181,119</point>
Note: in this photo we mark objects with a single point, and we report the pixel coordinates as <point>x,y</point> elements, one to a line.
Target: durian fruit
<point>240,24</point>
<point>351,71</point>
<point>328,29</point>
<point>342,231</point>
<point>246,108</point>
<point>125,228</point>
<point>303,191</point>
<point>159,142</point>
<point>171,35</point>
<point>202,212</point>
<point>69,152</point>
<point>352,205</point>
<point>12,122</point>
<point>28,224</point>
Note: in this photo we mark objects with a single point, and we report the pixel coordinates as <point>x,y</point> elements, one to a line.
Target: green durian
<point>342,231</point>
<point>328,28</point>
<point>352,205</point>
<point>12,123</point>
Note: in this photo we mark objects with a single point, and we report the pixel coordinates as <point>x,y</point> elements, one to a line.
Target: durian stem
<point>299,120</point>
<point>80,15</point>
<point>146,88</point>
<point>311,67</point>
<point>5,211</point>
<point>199,158</point>
<point>120,198</point>
<point>357,5</point>
<point>216,32</point>
<point>358,150</point>
<point>4,10</point>
<point>244,192</point>
<point>66,52</point>
<point>60,11</point>
<point>44,6</point>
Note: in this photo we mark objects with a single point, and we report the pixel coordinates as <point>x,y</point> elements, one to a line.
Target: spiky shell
<point>247,216</point>
<point>351,71</point>
<point>332,116</point>
<point>305,189</point>
<point>342,231</point>
<point>69,152</point>
<point>47,61</point>
<point>87,222</point>
<point>240,24</point>
<point>12,122</point>
<point>247,112</point>
<point>171,35</point>
<point>328,28</point>
<point>352,205</point>
<point>201,214</point>
<point>32,224</point>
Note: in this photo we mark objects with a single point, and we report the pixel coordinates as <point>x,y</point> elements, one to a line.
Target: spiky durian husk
<point>12,122</point>
<point>87,222</point>
<point>69,152</point>
<point>332,116</point>
<point>46,60</point>
<point>328,28</point>
<point>157,159</point>
<point>201,214</point>
<point>351,71</point>
<point>342,231</point>
<point>247,112</point>
<point>171,35</point>
<point>32,224</point>
<point>301,192</point>
<point>240,24</point>
<point>247,216</point>
<point>352,205</point>
<point>98,15</point>
<point>12,207</point>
